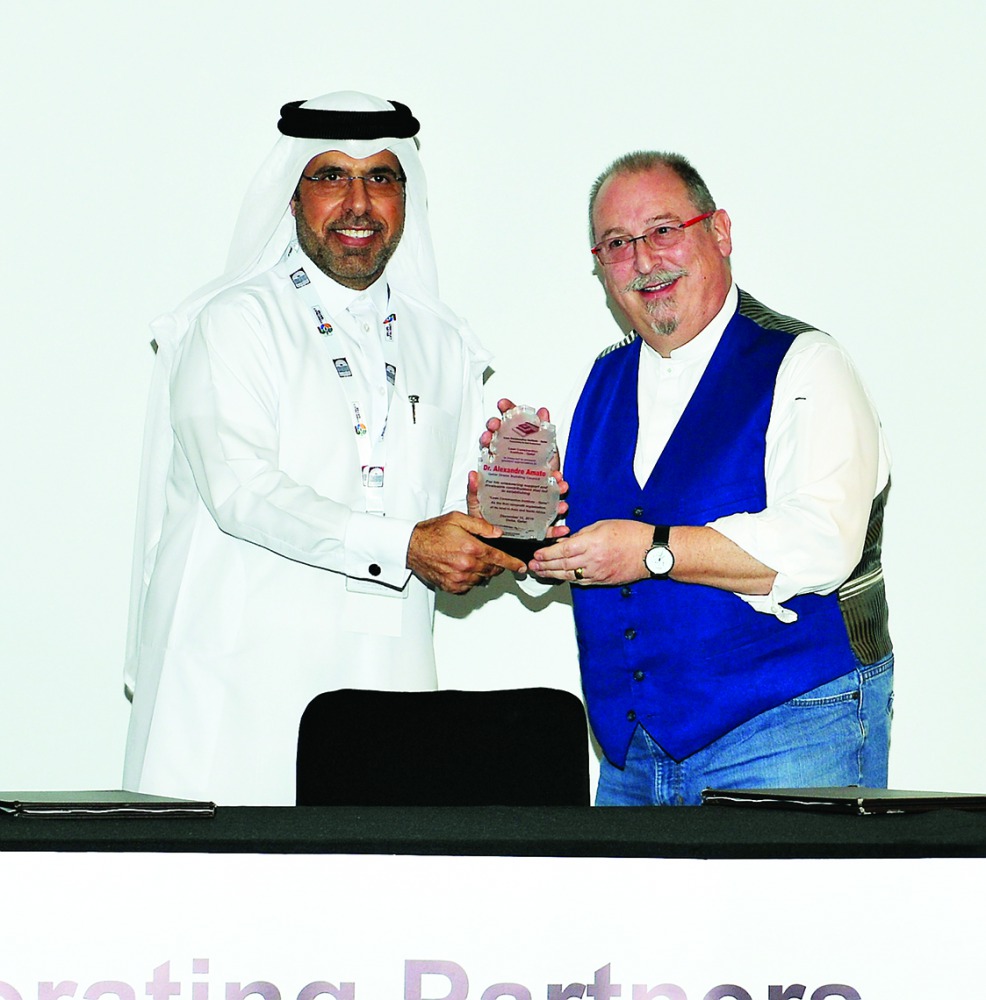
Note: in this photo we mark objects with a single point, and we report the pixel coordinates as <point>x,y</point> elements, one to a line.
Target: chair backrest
<point>527,746</point>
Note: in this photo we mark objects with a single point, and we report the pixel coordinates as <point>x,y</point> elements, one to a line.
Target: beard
<point>665,327</point>
<point>663,318</point>
<point>353,267</point>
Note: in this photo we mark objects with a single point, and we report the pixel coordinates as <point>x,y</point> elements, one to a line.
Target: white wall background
<point>845,140</point>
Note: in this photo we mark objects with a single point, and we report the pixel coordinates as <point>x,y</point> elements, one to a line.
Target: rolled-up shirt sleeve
<point>826,459</point>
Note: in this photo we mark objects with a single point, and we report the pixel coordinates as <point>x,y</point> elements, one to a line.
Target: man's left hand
<point>608,552</point>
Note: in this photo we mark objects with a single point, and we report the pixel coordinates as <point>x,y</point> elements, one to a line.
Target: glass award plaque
<point>518,490</point>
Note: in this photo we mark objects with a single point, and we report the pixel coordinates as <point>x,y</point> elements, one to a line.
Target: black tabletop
<point>699,832</point>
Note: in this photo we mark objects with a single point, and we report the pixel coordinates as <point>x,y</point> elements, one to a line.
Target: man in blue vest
<point>727,478</point>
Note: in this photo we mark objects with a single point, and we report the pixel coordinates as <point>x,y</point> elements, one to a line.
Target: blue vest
<point>687,662</point>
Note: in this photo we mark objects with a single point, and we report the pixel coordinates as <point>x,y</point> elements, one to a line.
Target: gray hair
<point>641,161</point>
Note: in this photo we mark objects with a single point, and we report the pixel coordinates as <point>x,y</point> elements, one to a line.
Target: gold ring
<point>580,573</point>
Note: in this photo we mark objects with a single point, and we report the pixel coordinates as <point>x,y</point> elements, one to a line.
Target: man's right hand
<point>446,552</point>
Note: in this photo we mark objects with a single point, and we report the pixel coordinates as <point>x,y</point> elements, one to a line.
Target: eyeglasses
<point>660,237</point>
<point>331,183</point>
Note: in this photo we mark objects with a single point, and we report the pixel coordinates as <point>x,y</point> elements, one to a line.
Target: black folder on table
<point>852,799</point>
<point>108,804</point>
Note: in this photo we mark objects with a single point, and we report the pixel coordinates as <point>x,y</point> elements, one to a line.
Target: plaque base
<point>520,548</point>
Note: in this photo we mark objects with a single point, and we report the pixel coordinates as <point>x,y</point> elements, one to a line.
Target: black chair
<point>520,747</point>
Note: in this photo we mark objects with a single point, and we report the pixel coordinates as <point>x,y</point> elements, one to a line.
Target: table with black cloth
<point>705,832</point>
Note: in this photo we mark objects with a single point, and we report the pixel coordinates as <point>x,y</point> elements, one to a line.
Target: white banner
<point>314,927</point>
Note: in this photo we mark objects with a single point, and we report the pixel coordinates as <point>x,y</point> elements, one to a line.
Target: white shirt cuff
<point>376,548</point>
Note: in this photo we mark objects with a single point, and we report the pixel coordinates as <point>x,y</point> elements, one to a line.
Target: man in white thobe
<point>311,430</point>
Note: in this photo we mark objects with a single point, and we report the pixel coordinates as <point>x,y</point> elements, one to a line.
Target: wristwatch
<point>659,559</point>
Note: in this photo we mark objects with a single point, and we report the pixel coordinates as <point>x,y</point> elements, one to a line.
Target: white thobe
<point>258,599</point>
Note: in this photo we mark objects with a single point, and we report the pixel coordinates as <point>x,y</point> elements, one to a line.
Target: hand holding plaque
<point>518,488</point>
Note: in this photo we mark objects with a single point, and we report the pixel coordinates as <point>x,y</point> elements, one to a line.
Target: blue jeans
<point>836,735</point>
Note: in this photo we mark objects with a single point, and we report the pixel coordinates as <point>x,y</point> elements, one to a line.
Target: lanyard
<point>355,358</point>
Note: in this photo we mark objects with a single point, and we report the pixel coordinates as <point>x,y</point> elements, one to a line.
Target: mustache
<point>656,277</point>
<point>350,220</point>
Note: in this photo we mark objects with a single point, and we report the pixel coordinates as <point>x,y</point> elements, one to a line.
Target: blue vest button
<point>638,675</point>
<point>630,633</point>
<point>631,716</point>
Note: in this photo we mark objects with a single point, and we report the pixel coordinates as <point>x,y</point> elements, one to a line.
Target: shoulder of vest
<point>767,318</point>
<point>625,342</point>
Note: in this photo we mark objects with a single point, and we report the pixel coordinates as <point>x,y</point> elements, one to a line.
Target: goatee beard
<point>664,327</point>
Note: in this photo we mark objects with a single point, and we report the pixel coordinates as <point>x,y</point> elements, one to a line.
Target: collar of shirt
<point>338,299</point>
<point>702,346</point>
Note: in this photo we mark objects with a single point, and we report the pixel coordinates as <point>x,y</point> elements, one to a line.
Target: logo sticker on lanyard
<point>373,477</point>
<point>358,424</point>
<point>323,325</point>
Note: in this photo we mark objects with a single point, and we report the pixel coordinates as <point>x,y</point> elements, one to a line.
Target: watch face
<point>659,560</point>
